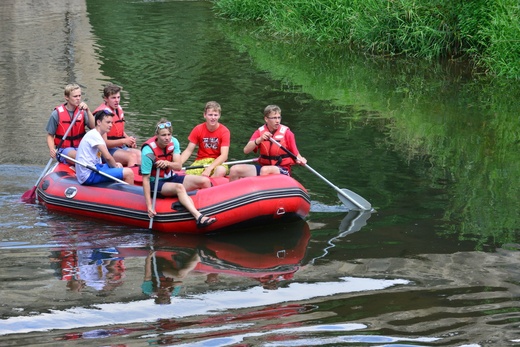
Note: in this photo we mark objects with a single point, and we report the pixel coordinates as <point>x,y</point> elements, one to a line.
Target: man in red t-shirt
<point>213,140</point>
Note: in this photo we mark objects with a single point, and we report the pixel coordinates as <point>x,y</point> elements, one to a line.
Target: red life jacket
<point>75,134</point>
<point>271,154</point>
<point>160,154</point>
<point>118,122</point>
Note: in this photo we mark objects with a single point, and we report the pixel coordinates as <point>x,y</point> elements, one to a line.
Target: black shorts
<point>175,178</point>
<point>283,170</point>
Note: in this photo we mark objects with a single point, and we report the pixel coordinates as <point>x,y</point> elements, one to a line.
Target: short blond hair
<point>69,88</point>
<point>272,109</point>
<point>212,105</point>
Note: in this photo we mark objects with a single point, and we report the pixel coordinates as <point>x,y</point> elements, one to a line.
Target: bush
<point>485,31</point>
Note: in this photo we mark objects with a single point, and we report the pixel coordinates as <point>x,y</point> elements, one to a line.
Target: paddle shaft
<point>41,175</point>
<point>341,192</point>
<point>33,190</point>
<point>69,129</point>
<point>154,198</point>
<point>92,168</point>
<point>226,163</point>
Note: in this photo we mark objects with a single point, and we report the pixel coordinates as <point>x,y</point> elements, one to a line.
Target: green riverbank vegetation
<point>484,32</point>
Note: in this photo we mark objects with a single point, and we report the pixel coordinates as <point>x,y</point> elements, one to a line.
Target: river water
<point>433,148</point>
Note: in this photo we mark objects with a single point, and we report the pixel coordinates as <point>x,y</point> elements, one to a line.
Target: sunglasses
<point>106,111</point>
<point>164,125</point>
<point>102,112</point>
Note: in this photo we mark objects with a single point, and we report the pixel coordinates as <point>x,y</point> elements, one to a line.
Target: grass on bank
<point>484,31</point>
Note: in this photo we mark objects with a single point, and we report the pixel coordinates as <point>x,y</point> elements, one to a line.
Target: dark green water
<point>430,146</point>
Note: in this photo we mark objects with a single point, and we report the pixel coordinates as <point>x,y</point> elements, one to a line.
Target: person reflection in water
<point>100,269</point>
<point>76,285</point>
<point>163,272</point>
<point>272,282</point>
<point>212,278</point>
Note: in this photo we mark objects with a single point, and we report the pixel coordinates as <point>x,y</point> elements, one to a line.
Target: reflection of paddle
<point>349,198</point>
<point>353,221</point>
<point>31,193</point>
<point>226,163</point>
<point>90,167</point>
<point>154,199</point>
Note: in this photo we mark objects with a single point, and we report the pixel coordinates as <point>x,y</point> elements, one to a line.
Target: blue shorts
<point>65,151</point>
<point>283,170</point>
<point>176,178</point>
<point>96,178</point>
<point>114,149</point>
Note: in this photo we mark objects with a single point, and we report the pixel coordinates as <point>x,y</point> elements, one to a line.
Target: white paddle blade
<point>353,201</point>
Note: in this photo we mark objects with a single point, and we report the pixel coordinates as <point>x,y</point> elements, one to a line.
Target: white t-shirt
<point>88,153</point>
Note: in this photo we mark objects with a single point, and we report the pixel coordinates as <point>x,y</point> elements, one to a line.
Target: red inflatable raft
<point>245,202</point>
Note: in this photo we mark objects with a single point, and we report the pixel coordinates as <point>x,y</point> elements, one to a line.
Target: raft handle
<point>280,211</point>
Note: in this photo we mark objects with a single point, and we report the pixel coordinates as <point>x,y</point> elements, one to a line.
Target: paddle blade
<point>353,201</point>
<point>29,196</point>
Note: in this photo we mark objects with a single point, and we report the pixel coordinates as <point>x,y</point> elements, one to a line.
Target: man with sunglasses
<point>162,152</point>
<point>92,147</point>
<point>273,159</point>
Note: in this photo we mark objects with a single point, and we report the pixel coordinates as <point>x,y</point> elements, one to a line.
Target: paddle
<point>349,198</point>
<point>90,167</point>
<point>30,195</point>
<point>226,163</point>
<point>154,198</point>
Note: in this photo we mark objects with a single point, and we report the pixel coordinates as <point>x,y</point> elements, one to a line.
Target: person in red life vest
<point>213,140</point>
<point>273,159</point>
<point>92,147</point>
<point>61,119</point>
<point>121,146</point>
<point>162,151</point>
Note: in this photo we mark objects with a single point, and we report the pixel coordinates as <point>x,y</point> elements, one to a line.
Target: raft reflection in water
<point>256,256</point>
